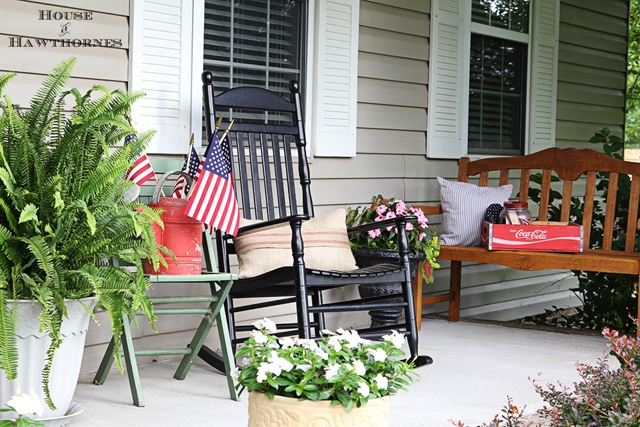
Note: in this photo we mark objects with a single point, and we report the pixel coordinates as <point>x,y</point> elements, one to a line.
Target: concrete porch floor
<point>476,366</point>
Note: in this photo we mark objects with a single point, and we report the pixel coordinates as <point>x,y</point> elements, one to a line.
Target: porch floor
<point>476,366</point>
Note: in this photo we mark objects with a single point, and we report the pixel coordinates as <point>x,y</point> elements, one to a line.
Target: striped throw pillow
<point>463,207</point>
<point>326,246</point>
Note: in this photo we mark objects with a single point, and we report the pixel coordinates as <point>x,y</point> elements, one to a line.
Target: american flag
<point>141,171</point>
<point>213,199</point>
<point>191,165</point>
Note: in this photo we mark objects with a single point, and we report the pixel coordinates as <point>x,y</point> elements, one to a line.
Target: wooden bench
<point>577,171</point>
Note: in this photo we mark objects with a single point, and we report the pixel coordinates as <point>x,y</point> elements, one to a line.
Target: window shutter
<point>544,79</point>
<point>162,66</point>
<point>334,98</point>
<point>448,80</point>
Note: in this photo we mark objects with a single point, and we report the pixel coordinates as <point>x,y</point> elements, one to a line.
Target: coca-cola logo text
<point>531,235</point>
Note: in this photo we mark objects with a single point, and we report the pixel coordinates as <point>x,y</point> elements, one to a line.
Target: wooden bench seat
<point>560,169</point>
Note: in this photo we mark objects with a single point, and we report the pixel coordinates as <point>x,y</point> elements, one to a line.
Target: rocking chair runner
<point>264,144</point>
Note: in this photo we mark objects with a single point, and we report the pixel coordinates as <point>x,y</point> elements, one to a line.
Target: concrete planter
<point>290,412</point>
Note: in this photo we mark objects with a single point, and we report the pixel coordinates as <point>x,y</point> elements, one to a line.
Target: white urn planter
<point>289,412</point>
<point>32,349</point>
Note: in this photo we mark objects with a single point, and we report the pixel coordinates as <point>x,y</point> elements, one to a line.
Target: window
<point>498,76</point>
<point>254,42</point>
<point>492,77</point>
<point>245,42</point>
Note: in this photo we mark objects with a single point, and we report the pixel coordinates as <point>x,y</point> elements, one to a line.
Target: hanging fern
<point>62,210</point>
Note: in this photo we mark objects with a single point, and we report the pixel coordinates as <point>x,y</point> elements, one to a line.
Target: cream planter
<point>289,412</point>
<point>32,350</point>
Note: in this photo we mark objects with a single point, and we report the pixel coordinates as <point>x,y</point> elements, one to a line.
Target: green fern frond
<point>4,79</point>
<point>8,350</point>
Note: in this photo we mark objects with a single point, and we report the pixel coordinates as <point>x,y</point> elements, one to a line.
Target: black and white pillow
<point>463,207</point>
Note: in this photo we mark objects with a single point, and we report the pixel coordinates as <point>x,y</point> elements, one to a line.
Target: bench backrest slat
<point>524,184</point>
<point>589,196</point>
<point>544,192</point>
<point>611,206</point>
<point>631,218</point>
<point>568,166</point>
<point>567,192</point>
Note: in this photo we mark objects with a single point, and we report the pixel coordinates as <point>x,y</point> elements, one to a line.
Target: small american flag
<point>213,199</point>
<point>141,171</point>
<point>191,165</point>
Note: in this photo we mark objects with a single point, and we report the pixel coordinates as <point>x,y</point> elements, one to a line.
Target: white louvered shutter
<point>448,80</point>
<point>162,67</point>
<point>544,79</point>
<point>334,97</point>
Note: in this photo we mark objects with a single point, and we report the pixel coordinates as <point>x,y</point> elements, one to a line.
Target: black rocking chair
<point>269,164</point>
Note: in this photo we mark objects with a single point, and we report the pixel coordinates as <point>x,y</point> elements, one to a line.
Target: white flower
<point>235,374</point>
<point>359,368</point>
<point>363,389</point>
<point>395,338</point>
<point>379,355</point>
<point>266,324</point>
<point>331,371</point>
<point>381,381</point>
<point>307,343</point>
<point>26,404</point>
<point>334,342</point>
<point>283,364</point>
<point>259,337</point>
<point>303,368</point>
<point>262,372</point>
<point>287,342</point>
<point>351,338</point>
<point>321,353</point>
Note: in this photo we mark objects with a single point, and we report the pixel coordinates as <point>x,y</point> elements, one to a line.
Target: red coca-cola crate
<point>540,236</point>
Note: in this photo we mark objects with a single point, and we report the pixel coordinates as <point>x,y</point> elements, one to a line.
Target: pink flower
<point>409,226</point>
<point>374,233</point>
<point>401,208</point>
<point>380,210</point>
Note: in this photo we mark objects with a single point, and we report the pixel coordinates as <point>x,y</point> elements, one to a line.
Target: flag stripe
<point>141,171</point>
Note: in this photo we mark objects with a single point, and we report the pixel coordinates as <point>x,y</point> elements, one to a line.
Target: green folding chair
<point>219,284</point>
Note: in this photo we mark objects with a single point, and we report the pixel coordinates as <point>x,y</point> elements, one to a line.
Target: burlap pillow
<point>326,246</point>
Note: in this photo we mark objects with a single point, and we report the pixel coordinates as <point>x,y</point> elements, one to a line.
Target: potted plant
<point>340,378</point>
<point>381,246</point>
<point>63,220</point>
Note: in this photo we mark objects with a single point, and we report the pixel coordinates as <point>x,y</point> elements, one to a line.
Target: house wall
<point>21,27</point>
<point>592,69</point>
<point>393,93</point>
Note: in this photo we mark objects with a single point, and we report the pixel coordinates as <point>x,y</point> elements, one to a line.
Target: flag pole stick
<point>226,131</point>
<point>189,152</point>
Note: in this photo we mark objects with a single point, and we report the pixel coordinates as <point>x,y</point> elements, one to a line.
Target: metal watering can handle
<point>163,178</point>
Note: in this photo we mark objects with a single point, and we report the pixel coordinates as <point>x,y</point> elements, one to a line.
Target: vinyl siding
<point>592,69</point>
<point>20,22</point>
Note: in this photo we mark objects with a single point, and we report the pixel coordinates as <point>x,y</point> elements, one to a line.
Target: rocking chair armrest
<point>381,224</point>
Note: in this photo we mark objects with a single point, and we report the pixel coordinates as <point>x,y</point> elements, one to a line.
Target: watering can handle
<point>163,178</point>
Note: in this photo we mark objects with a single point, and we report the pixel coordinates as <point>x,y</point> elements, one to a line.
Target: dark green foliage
<point>607,298</point>
<point>63,216</point>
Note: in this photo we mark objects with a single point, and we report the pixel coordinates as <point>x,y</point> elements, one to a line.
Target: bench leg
<point>454,288</point>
